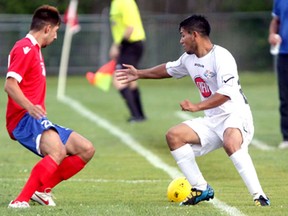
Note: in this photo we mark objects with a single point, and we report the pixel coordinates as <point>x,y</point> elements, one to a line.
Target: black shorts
<point>131,53</point>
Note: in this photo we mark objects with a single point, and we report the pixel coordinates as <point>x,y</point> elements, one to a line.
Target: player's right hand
<point>127,75</point>
<point>37,112</point>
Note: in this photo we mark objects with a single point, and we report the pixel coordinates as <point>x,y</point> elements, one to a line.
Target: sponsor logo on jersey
<point>199,65</point>
<point>203,87</point>
<point>26,50</point>
<point>209,74</point>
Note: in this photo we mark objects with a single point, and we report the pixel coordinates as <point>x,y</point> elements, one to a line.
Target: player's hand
<point>37,112</point>
<point>186,105</point>
<point>127,74</point>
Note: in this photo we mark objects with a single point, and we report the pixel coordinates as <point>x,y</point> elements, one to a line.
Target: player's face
<point>50,35</point>
<point>187,40</point>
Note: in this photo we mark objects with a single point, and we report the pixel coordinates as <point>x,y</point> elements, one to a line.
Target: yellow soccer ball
<point>178,189</point>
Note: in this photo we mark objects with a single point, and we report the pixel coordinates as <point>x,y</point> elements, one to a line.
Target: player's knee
<point>89,151</point>
<point>58,155</point>
<point>232,140</point>
<point>172,138</point>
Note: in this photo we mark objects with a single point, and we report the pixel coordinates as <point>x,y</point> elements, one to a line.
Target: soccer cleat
<point>261,201</point>
<point>18,204</point>
<point>197,196</point>
<point>44,198</point>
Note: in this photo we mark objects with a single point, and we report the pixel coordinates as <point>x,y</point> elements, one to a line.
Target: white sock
<point>245,167</point>
<point>185,159</point>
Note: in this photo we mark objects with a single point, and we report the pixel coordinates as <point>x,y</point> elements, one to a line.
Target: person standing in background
<point>278,35</point>
<point>128,46</point>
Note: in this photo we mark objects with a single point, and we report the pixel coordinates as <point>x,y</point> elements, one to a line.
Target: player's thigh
<point>238,130</point>
<point>51,144</point>
<point>79,145</point>
<point>208,138</point>
<point>181,134</point>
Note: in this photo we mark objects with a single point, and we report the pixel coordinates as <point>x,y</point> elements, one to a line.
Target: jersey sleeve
<point>177,69</point>
<point>227,75</point>
<point>19,62</point>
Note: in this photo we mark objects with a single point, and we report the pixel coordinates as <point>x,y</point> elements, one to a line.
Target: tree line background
<point>157,6</point>
<point>241,26</point>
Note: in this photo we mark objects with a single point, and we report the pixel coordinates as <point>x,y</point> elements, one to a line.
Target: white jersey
<point>214,72</point>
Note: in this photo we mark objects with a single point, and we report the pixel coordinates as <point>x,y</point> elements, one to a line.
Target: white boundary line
<point>124,137</point>
<point>138,148</point>
<point>256,143</point>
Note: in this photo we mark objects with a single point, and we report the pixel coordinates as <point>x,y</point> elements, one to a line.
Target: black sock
<point>130,102</point>
<point>138,103</point>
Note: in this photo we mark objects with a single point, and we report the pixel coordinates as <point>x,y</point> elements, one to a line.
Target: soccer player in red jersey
<point>64,152</point>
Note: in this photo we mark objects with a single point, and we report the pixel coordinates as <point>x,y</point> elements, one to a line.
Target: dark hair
<point>196,23</point>
<point>44,15</point>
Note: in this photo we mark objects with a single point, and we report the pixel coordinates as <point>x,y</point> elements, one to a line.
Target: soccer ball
<point>178,189</point>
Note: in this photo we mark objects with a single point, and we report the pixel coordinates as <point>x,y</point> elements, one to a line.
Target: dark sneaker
<point>197,196</point>
<point>261,201</point>
<point>136,119</point>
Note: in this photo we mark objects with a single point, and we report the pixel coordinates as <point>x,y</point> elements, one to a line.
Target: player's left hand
<point>186,105</point>
<point>126,75</point>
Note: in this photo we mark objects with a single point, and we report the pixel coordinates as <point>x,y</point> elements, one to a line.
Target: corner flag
<point>72,27</point>
<point>102,78</point>
<point>71,17</point>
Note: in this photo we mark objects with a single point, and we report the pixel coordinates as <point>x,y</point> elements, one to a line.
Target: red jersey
<point>26,65</point>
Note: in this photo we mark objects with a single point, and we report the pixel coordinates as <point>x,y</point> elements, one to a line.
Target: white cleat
<point>18,204</point>
<point>43,198</point>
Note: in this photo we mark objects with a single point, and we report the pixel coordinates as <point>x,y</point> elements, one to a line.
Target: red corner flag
<point>103,76</point>
<point>71,17</point>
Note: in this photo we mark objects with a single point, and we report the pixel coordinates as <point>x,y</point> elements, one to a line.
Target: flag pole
<point>71,16</point>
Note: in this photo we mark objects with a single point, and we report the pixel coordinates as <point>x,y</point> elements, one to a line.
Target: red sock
<point>68,168</point>
<point>40,174</point>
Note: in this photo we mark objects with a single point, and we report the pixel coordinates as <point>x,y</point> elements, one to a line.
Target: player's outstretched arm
<point>130,73</point>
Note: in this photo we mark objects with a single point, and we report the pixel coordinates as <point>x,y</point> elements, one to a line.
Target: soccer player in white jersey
<point>228,121</point>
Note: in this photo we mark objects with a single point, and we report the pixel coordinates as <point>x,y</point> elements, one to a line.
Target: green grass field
<point>120,181</point>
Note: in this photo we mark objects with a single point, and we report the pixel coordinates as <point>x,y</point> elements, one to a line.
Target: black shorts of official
<point>131,53</point>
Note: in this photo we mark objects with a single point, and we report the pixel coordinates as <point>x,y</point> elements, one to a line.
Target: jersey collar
<point>32,39</point>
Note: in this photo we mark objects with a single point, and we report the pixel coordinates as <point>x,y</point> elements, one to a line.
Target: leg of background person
<point>128,97</point>
<point>137,98</point>
<point>136,52</point>
<point>282,67</point>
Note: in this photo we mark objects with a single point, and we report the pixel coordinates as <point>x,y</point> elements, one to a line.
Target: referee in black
<point>128,46</point>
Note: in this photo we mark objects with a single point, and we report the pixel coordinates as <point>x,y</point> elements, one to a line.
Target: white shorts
<point>211,129</point>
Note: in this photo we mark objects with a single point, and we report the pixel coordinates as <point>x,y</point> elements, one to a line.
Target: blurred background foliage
<point>241,26</point>
<point>157,6</point>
